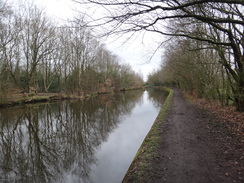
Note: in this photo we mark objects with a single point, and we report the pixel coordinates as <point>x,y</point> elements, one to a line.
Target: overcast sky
<point>136,52</point>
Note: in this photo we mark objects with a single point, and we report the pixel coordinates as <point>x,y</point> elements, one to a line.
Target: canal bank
<point>32,98</point>
<point>187,144</point>
<point>147,151</point>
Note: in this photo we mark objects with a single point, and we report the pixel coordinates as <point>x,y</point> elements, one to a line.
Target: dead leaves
<point>233,119</point>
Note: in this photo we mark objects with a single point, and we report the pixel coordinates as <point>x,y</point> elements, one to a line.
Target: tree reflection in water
<point>157,97</point>
<point>48,142</point>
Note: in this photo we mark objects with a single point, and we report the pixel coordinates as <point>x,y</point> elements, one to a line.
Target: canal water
<point>94,140</point>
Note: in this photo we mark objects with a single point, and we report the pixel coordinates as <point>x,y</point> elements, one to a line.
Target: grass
<point>148,150</point>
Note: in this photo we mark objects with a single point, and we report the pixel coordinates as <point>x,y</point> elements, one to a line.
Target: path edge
<point>147,151</point>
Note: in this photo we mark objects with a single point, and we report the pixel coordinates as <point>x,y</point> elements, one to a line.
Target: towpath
<point>195,147</point>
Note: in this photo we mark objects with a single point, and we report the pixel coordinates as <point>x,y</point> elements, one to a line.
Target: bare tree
<point>36,54</point>
<point>37,42</point>
<point>223,20</point>
<point>9,54</point>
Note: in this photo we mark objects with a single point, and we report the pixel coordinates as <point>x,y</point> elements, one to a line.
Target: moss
<point>148,150</point>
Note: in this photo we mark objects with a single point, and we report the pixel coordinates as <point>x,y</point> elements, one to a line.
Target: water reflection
<point>56,142</point>
<point>157,97</point>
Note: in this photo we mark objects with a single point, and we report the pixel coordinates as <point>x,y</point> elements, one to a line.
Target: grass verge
<point>147,151</point>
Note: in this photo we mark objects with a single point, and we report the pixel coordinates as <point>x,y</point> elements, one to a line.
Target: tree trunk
<point>240,102</point>
<point>239,97</point>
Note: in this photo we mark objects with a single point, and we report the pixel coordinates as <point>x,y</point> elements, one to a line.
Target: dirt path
<point>194,148</point>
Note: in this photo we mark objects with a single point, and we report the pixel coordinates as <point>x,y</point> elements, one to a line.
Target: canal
<point>94,140</point>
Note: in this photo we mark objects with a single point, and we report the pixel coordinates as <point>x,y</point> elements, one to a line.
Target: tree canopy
<point>218,24</point>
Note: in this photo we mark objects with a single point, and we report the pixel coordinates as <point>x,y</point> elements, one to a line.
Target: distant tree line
<point>186,66</point>
<point>36,54</point>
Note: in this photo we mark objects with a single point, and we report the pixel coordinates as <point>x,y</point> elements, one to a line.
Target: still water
<point>94,140</point>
